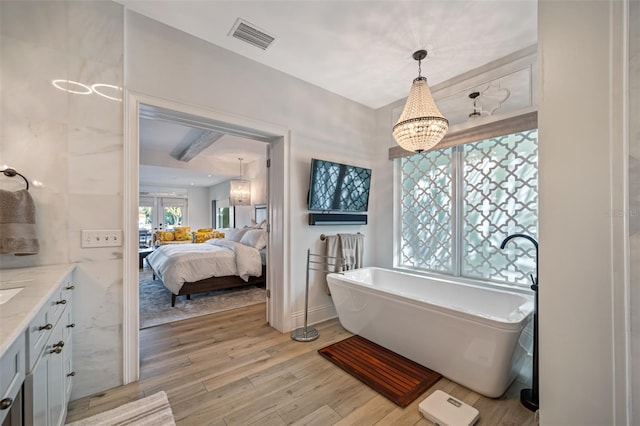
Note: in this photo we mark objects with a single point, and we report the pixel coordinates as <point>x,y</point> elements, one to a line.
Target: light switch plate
<point>101,238</point>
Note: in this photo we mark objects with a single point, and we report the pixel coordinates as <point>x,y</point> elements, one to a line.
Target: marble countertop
<point>39,283</point>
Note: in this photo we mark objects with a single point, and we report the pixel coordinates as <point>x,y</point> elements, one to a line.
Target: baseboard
<point>316,315</point>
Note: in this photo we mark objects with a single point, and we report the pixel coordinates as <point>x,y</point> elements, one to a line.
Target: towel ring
<point>13,173</point>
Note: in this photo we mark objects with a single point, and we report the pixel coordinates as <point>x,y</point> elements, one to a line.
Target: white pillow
<point>256,225</point>
<point>235,234</point>
<point>256,238</point>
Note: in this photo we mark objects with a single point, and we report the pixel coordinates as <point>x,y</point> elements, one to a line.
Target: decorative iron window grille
<point>458,204</point>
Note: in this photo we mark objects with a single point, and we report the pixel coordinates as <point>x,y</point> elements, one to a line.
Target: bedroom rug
<point>153,410</point>
<point>155,301</point>
<point>393,376</point>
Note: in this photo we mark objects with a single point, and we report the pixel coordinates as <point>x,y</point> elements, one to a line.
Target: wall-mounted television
<point>338,187</point>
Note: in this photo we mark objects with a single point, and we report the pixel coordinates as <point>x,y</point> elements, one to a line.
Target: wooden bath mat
<point>391,375</point>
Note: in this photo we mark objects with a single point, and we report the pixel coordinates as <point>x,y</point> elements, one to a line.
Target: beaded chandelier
<point>421,125</point>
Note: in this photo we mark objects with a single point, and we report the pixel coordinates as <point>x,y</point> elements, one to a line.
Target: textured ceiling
<point>360,49</point>
<point>357,49</point>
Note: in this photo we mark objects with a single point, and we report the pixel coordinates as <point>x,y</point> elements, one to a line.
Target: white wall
<point>580,157</point>
<point>199,208</point>
<point>220,193</point>
<point>322,124</point>
<point>243,216</point>
<point>257,173</point>
<point>384,191</point>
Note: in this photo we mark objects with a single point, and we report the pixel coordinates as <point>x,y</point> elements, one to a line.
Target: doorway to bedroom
<point>276,140</point>
<point>196,236</point>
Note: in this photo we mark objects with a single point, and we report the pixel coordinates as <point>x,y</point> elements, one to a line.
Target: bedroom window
<point>457,204</point>
<point>224,219</point>
<point>158,213</point>
<point>175,212</point>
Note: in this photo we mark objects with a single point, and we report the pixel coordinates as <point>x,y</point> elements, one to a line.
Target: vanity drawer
<point>38,334</point>
<point>12,372</point>
<point>61,298</point>
<point>40,328</point>
<point>67,323</point>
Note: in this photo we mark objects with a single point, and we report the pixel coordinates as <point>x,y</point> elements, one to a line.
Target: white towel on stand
<point>333,253</point>
<point>344,252</point>
<point>352,248</point>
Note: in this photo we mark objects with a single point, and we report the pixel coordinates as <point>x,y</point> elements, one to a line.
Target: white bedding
<point>180,263</point>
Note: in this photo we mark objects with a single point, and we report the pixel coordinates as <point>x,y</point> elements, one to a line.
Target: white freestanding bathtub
<point>466,333</point>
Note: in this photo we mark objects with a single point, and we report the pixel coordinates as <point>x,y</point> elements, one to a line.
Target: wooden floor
<point>231,368</point>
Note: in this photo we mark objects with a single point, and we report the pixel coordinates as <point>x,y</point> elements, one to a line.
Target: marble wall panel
<point>37,149</point>
<point>93,110</point>
<point>98,289</point>
<point>27,74</point>
<point>100,211</point>
<point>95,161</point>
<point>634,202</point>
<point>634,195</point>
<point>634,247</point>
<point>95,31</point>
<point>103,347</point>
<point>43,23</point>
<point>97,336</point>
<point>72,144</point>
<point>93,212</point>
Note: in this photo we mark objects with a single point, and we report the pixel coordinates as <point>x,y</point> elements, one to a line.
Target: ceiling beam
<point>199,144</point>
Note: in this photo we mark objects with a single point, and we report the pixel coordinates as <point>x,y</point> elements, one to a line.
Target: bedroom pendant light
<point>240,190</point>
<point>421,125</point>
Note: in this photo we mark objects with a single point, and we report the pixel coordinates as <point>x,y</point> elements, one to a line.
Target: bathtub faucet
<point>534,280</point>
<point>529,397</point>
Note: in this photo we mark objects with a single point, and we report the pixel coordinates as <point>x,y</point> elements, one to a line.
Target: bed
<point>216,264</point>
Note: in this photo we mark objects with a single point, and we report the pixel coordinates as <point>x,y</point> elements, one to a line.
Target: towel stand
<point>306,333</point>
<point>12,173</point>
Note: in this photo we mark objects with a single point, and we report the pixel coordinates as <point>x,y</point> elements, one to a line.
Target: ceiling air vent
<point>251,34</point>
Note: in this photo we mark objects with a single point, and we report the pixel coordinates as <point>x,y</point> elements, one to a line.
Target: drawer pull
<point>73,324</point>
<point>6,403</point>
<point>57,348</point>
<point>45,327</point>
<point>61,302</point>
<point>72,374</point>
<point>71,287</point>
